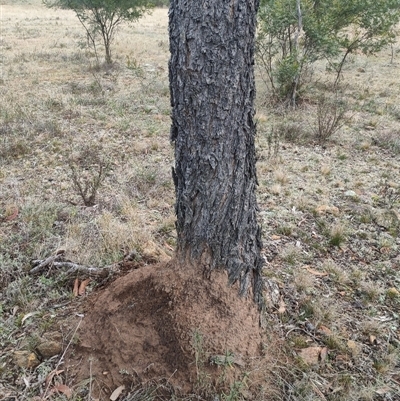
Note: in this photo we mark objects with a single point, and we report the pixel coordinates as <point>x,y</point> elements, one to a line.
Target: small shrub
<point>330,118</point>
<point>292,131</point>
<point>88,171</point>
<point>274,142</point>
<point>388,140</point>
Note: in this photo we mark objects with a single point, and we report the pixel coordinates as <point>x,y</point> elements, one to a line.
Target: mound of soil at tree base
<point>152,323</point>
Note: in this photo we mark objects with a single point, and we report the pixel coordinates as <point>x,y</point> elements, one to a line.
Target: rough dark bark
<point>212,96</point>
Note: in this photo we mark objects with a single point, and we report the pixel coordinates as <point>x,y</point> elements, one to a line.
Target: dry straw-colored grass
<point>54,104</point>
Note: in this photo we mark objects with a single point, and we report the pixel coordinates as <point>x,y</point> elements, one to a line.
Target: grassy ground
<point>330,209</point>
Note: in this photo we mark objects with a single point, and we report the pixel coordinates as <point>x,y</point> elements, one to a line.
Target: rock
<point>311,355</point>
<point>26,359</point>
<point>50,345</point>
<point>322,209</point>
<point>350,194</point>
<point>325,331</point>
<point>393,292</point>
<point>49,348</point>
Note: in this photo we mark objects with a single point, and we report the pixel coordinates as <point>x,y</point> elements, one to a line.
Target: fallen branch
<point>39,265</point>
<point>89,271</point>
<point>57,262</point>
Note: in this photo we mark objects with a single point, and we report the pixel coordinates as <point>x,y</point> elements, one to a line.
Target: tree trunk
<point>107,45</point>
<point>212,96</point>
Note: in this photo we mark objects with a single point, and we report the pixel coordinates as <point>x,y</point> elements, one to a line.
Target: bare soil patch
<point>144,326</point>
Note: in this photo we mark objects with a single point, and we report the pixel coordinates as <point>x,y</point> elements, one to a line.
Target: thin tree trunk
<point>212,94</point>
<point>297,52</point>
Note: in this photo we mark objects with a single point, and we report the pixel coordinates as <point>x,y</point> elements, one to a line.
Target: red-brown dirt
<point>142,327</point>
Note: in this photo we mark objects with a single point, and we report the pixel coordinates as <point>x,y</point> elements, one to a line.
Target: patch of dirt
<point>142,327</point>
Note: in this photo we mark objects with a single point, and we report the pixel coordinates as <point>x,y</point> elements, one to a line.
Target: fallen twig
<point>56,261</point>
<point>41,264</point>
<point>89,271</point>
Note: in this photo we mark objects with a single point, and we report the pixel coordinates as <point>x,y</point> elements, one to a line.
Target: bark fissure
<point>212,97</point>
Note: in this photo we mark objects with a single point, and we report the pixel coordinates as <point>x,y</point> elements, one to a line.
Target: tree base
<point>166,322</point>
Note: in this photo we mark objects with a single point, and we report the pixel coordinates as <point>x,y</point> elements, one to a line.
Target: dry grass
<point>54,103</point>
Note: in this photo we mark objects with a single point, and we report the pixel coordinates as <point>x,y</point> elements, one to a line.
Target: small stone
<point>350,194</point>
<point>310,355</point>
<point>322,209</point>
<point>26,359</point>
<point>393,292</point>
<point>50,345</point>
<point>49,348</point>
<point>324,331</point>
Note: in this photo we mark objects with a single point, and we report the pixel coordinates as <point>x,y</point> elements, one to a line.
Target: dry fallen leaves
<point>79,289</point>
<point>383,390</point>
<point>117,392</point>
<point>50,376</point>
<point>325,330</point>
<point>82,287</point>
<point>315,272</point>
<point>282,306</point>
<point>27,316</point>
<point>61,388</point>
<point>76,287</point>
<point>323,354</point>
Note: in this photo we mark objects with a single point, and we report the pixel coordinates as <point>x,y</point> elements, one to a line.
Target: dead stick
<point>74,268</point>
<point>44,263</point>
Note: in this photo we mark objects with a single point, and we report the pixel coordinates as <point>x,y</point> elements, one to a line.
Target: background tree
<point>212,95</point>
<point>372,26</point>
<point>101,18</point>
<point>296,33</point>
<point>161,3</point>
